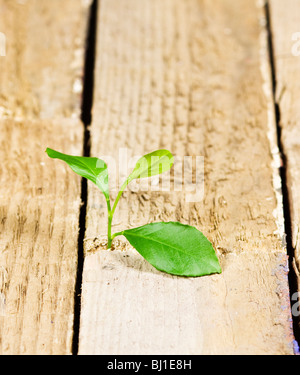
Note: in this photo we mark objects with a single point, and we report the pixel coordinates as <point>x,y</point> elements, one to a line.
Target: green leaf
<point>152,164</point>
<point>174,248</point>
<point>93,169</point>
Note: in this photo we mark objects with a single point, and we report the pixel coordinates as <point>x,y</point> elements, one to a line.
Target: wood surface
<point>40,100</point>
<point>193,77</point>
<point>286,44</point>
<point>41,74</point>
<point>39,228</point>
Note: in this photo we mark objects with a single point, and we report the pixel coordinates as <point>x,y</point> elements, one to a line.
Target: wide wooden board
<point>193,77</point>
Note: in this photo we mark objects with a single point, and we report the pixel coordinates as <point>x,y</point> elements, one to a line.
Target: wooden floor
<point>216,79</point>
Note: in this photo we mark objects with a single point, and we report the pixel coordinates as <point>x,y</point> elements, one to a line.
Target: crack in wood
<point>86,117</point>
<point>292,274</point>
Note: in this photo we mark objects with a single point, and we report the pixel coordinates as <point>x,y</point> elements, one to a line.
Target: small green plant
<point>170,247</point>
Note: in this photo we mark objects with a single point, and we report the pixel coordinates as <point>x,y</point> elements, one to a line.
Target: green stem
<point>117,234</point>
<point>123,187</point>
<point>111,214</point>
<point>109,237</point>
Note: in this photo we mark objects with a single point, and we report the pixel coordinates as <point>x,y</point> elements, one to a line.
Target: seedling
<point>170,247</point>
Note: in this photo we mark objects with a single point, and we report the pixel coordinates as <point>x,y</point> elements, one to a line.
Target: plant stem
<point>110,216</point>
<point>123,187</point>
<point>109,237</point>
<point>117,234</point>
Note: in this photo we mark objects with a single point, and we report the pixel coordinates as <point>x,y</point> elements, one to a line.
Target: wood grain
<point>41,74</point>
<point>286,42</point>
<point>40,100</point>
<point>193,77</point>
<point>39,213</point>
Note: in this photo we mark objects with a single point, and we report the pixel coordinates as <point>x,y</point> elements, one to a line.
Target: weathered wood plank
<point>190,76</point>
<point>40,102</point>
<point>39,211</point>
<point>285,19</point>
<point>42,71</point>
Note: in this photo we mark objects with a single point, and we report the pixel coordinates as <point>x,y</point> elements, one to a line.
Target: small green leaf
<point>152,164</point>
<point>93,169</point>
<point>174,248</point>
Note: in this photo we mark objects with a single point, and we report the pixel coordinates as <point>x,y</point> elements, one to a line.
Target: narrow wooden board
<point>39,215</point>
<point>40,103</point>
<point>193,77</point>
<point>41,74</point>
<point>285,18</point>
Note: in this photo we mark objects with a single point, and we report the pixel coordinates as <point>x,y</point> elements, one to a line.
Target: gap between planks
<point>283,24</point>
<point>86,117</point>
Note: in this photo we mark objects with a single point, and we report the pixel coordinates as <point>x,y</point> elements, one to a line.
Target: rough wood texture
<point>286,42</point>
<point>39,197</point>
<point>39,210</point>
<point>41,74</point>
<point>190,76</point>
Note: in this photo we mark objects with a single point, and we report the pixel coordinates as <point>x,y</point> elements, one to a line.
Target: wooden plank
<point>190,76</point>
<point>285,17</point>
<point>40,103</point>
<point>42,71</point>
<point>39,211</point>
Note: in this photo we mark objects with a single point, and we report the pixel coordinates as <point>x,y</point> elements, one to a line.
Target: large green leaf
<point>152,164</point>
<point>174,248</point>
<point>93,169</point>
